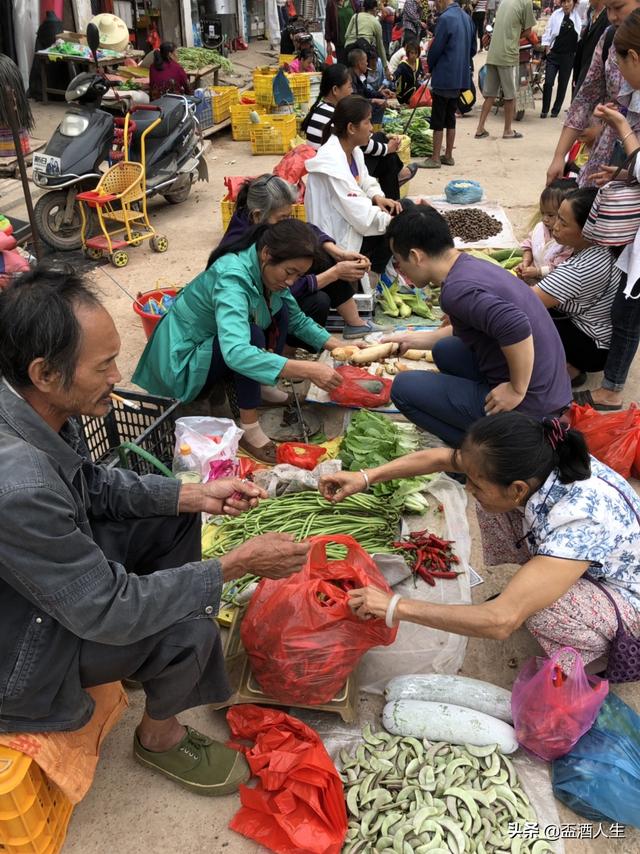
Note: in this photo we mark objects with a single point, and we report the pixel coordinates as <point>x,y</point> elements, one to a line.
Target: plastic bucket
<point>150,321</point>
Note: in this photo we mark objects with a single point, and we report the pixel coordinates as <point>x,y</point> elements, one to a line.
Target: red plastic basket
<point>150,321</point>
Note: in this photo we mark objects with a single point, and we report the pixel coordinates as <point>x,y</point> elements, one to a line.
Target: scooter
<point>74,158</point>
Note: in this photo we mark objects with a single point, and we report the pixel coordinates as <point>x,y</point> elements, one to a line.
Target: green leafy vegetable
<point>193,58</point>
<point>419,130</point>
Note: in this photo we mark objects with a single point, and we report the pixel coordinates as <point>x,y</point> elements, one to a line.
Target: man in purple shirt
<point>501,352</point>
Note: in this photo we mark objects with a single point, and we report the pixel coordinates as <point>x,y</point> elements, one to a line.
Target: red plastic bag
<point>300,455</point>
<point>292,166</point>
<point>612,437</point>
<point>421,97</point>
<point>554,704</point>
<point>357,388</point>
<point>234,184</point>
<point>298,804</point>
<point>302,638</point>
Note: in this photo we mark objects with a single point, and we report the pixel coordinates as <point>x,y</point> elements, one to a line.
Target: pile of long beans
<point>372,521</point>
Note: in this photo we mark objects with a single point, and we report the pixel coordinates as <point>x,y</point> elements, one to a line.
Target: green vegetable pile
<point>396,304</point>
<point>372,521</point>
<point>419,130</point>
<point>372,440</point>
<point>193,58</point>
<point>406,795</point>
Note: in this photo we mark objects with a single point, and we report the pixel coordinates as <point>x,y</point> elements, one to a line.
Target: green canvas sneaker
<point>198,763</point>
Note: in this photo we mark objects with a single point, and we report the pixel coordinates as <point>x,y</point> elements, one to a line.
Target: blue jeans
<point>247,390</point>
<point>445,404</point>
<point>625,336</point>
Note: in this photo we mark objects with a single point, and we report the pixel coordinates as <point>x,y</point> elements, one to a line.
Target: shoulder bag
<point>614,218</point>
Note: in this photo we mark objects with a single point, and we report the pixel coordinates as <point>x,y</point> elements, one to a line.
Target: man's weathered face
<point>96,371</point>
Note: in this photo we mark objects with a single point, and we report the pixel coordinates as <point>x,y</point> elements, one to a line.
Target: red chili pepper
<point>417,535</point>
<point>426,576</point>
<point>411,547</point>
<point>439,573</point>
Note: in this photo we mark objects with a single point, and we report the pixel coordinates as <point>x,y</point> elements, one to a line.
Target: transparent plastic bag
<point>553,705</point>
<point>213,443</point>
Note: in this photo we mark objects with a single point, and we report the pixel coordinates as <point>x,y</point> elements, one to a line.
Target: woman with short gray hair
<point>335,272</point>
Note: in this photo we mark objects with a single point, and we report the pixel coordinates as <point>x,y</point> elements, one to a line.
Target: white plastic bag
<point>212,440</point>
<point>284,479</point>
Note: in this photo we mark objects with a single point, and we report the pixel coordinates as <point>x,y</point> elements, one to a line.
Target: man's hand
<point>368,602</point>
<point>503,398</point>
<point>230,496</point>
<point>267,556</point>
<point>393,145</point>
<point>340,485</point>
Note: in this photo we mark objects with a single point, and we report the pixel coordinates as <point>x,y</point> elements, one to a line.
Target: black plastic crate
<point>151,428</point>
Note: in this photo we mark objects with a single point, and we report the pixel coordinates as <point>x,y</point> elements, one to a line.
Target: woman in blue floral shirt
<point>578,519</point>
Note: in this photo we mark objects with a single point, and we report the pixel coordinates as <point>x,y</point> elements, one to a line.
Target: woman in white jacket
<point>341,197</point>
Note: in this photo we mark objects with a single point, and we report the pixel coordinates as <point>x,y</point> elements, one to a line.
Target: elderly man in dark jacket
<point>101,576</point>
<point>450,63</point>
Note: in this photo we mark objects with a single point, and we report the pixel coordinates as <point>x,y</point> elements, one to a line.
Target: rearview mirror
<point>93,39</point>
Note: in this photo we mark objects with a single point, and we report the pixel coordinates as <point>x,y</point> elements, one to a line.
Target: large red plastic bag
<point>553,705</point>
<point>302,638</point>
<point>292,167</point>
<point>298,804</point>
<point>612,437</point>
<point>299,454</point>
<point>234,184</point>
<point>356,388</point>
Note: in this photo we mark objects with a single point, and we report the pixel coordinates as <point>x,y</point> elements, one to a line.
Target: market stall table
<point>104,62</point>
<point>199,73</point>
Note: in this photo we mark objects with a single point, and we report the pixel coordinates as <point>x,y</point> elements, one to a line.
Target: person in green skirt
<point>232,321</point>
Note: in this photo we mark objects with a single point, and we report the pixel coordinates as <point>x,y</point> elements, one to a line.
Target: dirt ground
<point>129,810</point>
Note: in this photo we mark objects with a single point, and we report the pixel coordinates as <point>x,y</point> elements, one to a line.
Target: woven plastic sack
<point>292,167</point>
<point>612,437</point>
<point>302,638</point>
<point>554,704</point>
<point>600,778</point>
<point>465,192</point>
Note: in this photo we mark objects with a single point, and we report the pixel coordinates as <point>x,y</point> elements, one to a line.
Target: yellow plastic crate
<point>273,134</point>
<point>263,85</point>
<point>227,207</point>
<point>240,121</point>
<point>221,99</point>
<point>300,87</point>
<point>34,814</point>
<point>286,58</point>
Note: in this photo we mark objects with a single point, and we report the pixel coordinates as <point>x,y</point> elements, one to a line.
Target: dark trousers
<point>445,403</point>
<point>559,66</point>
<point>478,21</point>
<point>625,337</point>
<point>181,666</point>
<point>247,390</point>
<point>579,349</point>
<point>377,250</point>
<point>385,169</point>
<point>317,306</point>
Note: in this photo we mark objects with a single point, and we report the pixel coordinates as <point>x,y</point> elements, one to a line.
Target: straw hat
<point>114,34</point>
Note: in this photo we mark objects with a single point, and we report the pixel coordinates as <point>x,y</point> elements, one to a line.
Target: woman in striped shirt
<point>579,293</point>
<point>380,154</point>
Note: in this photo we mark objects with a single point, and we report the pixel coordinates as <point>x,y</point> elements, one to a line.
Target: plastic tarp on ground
<point>418,649</point>
<point>502,240</point>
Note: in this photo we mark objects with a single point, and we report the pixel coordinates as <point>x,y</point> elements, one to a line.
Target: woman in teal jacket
<point>233,320</point>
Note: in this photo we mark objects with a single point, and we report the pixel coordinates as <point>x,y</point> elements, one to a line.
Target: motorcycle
<point>83,141</point>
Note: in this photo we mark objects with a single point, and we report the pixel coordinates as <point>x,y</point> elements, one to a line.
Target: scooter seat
<point>172,114</point>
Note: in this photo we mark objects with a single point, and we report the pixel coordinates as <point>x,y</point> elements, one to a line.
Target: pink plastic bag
<point>554,704</point>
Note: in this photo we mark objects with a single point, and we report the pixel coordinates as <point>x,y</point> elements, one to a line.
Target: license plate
<point>46,163</point>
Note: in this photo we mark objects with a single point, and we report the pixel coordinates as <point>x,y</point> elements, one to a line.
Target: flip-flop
<point>585,398</point>
<point>413,168</point>
<point>514,135</point>
<point>579,380</point>
<point>483,135</point>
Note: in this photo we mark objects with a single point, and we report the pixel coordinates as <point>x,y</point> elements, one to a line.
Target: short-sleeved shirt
<point>586,284</point>
<point>512,17</point>
<point>595,520</point>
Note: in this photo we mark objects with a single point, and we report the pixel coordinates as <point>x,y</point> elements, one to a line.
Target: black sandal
<point>585,398</point>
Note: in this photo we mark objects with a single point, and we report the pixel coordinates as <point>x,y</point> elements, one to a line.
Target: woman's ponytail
<point>573,458</point>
